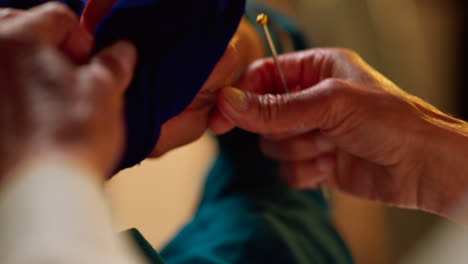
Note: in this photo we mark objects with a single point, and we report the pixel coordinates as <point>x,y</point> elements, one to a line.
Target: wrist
<point>60,157</point>
<point>444,182</point>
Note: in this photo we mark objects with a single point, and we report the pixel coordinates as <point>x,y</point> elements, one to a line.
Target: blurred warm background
<point>419,44</point>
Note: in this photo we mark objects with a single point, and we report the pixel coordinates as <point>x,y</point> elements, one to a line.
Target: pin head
<point>262,19</point>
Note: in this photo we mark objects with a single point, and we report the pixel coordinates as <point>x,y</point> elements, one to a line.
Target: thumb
<point>114,66</point>
<point>322,106</point>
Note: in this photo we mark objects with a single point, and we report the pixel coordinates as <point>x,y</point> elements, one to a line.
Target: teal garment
<point>146,250</point>
<point>247,215</point>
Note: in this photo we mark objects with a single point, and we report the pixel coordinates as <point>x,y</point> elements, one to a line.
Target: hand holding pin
<point>262,20</point>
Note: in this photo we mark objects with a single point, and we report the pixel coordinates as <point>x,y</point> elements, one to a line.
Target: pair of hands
<point>345,124</point>
<point>90,90</point>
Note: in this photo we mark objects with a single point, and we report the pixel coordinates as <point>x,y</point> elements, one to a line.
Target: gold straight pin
<point>262,20</point>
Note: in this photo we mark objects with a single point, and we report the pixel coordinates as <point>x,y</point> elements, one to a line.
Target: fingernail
<point>323,144</point>
<point>237,98</point>
<point>126,52</point>
<point>234,43</point>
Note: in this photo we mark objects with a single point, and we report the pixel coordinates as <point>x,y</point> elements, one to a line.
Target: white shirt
<point>54,211</point>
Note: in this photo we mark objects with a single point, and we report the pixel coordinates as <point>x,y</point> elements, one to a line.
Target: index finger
<point>301,69</point>
<point>113,67</point>
<point>6,13</point>
<point>94,11</point>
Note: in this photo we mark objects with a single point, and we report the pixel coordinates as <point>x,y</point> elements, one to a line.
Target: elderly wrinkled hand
<point>349,126</point>
<point>51,102</point>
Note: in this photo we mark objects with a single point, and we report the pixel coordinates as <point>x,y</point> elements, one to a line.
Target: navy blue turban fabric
<point>179,44</point>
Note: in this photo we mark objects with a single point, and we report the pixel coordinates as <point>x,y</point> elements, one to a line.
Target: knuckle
<point>8,12</point>
<point>299,150</point>
<point>59,12</point>
<point>347,53</point>
<point>290,151</point>
<point>262,64</point>
<point>270,108</point>
<point>338,100</point>
<point>334,85</point>
<point>336,90</point>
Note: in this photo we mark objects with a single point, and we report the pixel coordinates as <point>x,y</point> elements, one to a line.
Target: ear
<point>94,11</point>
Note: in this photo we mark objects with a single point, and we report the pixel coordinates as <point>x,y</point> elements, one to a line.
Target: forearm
<point>53,210</point>
<point>443,184</point>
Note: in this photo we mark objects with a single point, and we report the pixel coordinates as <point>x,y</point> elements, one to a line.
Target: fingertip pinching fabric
<point>179,44</point>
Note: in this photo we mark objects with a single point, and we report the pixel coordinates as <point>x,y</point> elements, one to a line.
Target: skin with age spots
<point>354,129</point>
